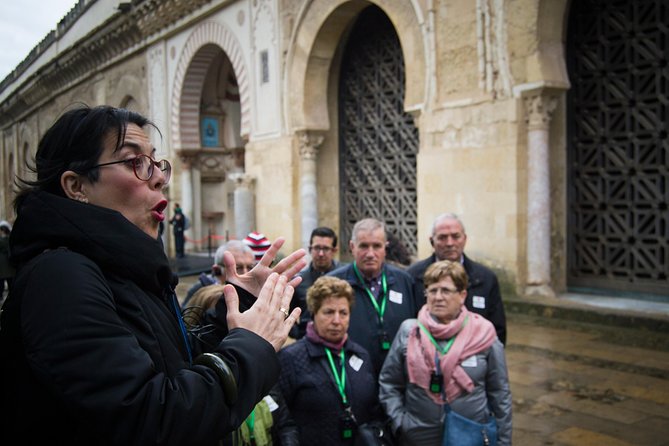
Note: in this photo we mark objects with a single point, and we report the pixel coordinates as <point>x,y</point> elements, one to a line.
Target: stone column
<point>244,209</point>
<point>539,106</point>
<point>187,187</point>
<point>309,143</point>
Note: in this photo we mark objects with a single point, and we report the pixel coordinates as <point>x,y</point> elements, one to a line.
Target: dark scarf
<point>315,338</point>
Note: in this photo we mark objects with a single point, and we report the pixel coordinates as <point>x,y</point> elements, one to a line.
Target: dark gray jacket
<point>419,420</point>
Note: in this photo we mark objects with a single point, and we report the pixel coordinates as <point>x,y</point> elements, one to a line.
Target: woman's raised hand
<point>254,280</point>
<point>268,317</point>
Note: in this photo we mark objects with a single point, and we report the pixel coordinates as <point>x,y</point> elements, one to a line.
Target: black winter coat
<point>91,348</point>
<point>312,395</point>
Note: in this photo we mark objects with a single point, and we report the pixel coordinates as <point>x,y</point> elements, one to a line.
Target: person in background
<point>448,354</point>
<point>396,252</point>
<point>258,244</point>
<point>178,222</point>
<point>244,262</point>
<point>483,295</point>
<point>100,354</point>
<point>384,294</point>
<point>323,249</point>
<point>6,268</point>
<point>327,379</point>
<point>270,422</point>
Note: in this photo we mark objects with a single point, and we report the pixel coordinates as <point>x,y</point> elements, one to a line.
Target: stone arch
<point>319,28</point>
<point>551,36</point>
<point>129,90</point>
<point>189,78</point>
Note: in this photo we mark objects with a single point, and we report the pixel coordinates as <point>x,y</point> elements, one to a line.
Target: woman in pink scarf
<point>471,374</point>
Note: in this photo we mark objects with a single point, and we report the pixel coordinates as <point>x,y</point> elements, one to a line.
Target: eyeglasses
<point>143,166</point>
<point>323,249</point>
<point>443,291</point>
<point>244,268</point>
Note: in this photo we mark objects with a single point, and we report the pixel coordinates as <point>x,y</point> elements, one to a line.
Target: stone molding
<point>121,33</point>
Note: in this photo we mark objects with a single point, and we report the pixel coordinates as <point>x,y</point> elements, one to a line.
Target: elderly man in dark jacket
<point>483,296</point>
<point>384,294</point>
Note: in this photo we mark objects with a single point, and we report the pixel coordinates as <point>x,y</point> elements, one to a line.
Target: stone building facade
<point>281,115</point>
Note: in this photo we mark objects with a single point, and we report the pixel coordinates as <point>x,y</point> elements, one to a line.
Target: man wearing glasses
<point>323,248</point>
<point>244,260</point>
<point>483,296</point>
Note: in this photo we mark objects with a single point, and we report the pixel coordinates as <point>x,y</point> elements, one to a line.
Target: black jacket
<point>403,303</point>
<point>91,349</point>
<point>483,295</point>
<point>312,395</point>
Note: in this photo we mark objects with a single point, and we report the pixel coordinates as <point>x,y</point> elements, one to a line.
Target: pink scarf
<point>316,339</point>
<point>477,335</point>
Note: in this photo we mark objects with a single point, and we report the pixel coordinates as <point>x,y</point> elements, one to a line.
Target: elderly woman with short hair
<point>327,379</point>
<point>448,354</point>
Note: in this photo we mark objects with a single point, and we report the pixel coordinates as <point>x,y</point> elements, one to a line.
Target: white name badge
<point>355,362</point>
<point>469,362</point>
<point>395,297</point>
<point>271,403</point>
<point>478,302</point>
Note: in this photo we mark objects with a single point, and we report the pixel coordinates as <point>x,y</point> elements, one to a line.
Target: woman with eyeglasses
<point>447,355</point>
<point>93,349</point>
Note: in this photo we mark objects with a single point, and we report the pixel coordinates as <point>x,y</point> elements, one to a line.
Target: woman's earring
<point>82,199</point>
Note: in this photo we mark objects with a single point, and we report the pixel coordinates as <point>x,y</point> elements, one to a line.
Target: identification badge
<point>271,404</point>
<point>469,362</point>
<point>355,362</point>
<point>435,382</point>
<point>478,302</point>
<point>384,340</point>
<point>395,297</point>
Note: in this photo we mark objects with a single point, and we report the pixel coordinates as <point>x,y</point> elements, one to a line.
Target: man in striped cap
<point>258,243</point>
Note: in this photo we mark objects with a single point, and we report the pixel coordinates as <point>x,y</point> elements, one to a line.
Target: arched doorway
<point>378,141</point>
<point>212,147</point>
<point>618,146</point>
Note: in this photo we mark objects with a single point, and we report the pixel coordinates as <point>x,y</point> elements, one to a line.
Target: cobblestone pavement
<point>586,384</point>
<point>576,383</point>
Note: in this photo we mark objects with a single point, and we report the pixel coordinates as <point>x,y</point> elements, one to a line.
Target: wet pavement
<point>576,383</point>
<point>584,375</point>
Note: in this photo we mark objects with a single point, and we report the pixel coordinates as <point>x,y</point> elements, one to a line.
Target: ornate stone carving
<point>309,143</point>
<point>539,108</point>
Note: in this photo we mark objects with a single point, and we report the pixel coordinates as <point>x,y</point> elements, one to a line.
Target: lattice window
<point>618,109</point>
<point>378,141</point>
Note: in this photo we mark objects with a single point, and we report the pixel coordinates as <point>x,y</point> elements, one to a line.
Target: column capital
<point>309,141</point>
<point>539,107</point>
<point>242,180</point>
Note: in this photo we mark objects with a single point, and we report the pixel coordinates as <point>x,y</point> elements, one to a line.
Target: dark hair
<point>75,142</point>
<point>396,250</point>
<point>324,231</point>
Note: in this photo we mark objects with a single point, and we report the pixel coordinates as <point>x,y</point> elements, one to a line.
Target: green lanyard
<point>340,380</point>
<point>448,345</point>
<point>250,422</point>
<point>382,309</point>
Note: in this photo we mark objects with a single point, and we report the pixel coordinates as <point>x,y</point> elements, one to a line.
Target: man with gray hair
<point>384,294</point>
<point>244,259</point>
<point>483,295</point>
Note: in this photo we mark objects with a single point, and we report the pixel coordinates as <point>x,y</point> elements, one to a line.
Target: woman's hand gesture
<point>254,280</point>
<point>268,317</point>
